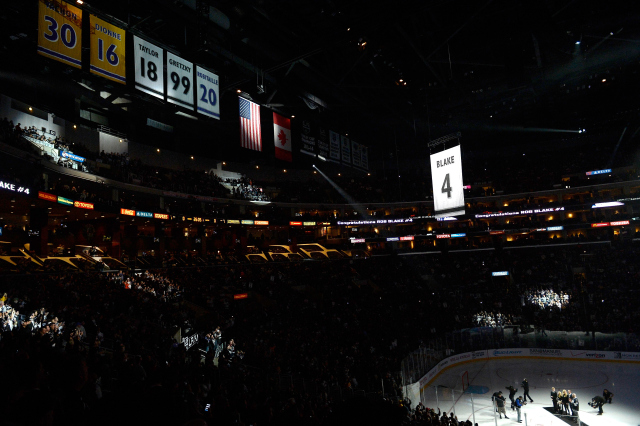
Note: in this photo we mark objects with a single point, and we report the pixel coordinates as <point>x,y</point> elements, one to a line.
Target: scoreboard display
<point>149,60</point>
<point>107,50</point>
<point>60,32</point>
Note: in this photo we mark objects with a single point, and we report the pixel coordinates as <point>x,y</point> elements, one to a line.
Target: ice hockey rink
<point>584,378</point>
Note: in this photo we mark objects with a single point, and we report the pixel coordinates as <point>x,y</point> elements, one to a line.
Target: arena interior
<point>417,213</point>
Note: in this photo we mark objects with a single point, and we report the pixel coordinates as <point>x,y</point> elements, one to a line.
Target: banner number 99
<point>186,83</point>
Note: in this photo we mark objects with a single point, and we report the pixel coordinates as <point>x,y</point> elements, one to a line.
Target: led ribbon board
<point>446,177</point>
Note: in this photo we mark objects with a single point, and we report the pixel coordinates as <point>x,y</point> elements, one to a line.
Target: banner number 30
<point>66,33</point>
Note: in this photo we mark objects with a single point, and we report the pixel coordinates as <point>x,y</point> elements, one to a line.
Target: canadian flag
<point>282,137</point>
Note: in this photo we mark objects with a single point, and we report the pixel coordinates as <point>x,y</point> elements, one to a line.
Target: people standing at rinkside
<point>597,402</point>
<point>575,406</point>
<point>525,394</point>
<point>500,404</point>
<point>512,394</point>
<point>554,399</point>
<point>519,403</point>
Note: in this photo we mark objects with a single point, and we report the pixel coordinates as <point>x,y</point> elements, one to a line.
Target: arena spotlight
<point>356,206</point>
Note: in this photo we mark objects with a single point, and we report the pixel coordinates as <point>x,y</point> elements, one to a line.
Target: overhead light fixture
<point>75,127</point>
<point>293,116</point>
<point>158,150</point>
<point>578,42</point>
<point>239,91</point>
<point>30,109</point>
<point>192,157</point>
<point>79,2</point>
<point>186,115</point>
<point>604,80</point>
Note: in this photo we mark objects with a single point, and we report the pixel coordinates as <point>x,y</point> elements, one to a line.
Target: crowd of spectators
<point>489,319</point>
<point>547,298</point>
<point>310,332</point>
<point>245,189</point>
<point>427,416</point>
<point>153,283</point>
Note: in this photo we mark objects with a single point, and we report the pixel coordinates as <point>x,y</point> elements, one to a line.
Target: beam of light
<point>482,125</point>
<point>508,128</point>
<point>350,200</point>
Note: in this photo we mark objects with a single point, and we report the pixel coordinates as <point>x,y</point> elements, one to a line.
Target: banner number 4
<point>446,186</point>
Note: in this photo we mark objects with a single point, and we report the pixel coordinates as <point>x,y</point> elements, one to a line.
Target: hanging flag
<point>250,136</point>
<point>282,137</point>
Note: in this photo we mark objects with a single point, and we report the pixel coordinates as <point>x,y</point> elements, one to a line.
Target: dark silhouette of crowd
<point>313,335</point>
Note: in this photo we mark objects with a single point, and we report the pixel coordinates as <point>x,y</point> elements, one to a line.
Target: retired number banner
<point>60,32</point>
<point>149,60</point>
<point>107,50</point>
<point>179,81</point>
<point>446,177</point>
<point>207,93</point>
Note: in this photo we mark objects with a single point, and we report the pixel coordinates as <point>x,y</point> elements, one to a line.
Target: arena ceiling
<point>425,68</point>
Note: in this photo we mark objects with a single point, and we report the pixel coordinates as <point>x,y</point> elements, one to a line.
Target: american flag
<point>250,135</point>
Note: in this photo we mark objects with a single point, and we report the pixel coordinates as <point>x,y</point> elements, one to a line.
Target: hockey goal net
<point>465,381</point>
